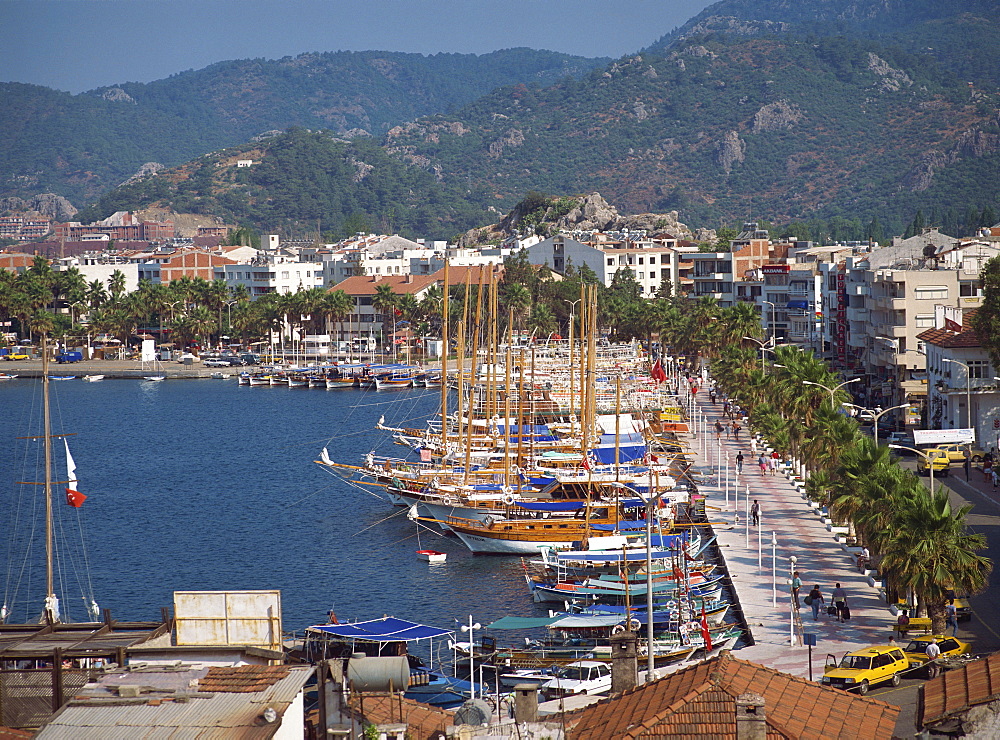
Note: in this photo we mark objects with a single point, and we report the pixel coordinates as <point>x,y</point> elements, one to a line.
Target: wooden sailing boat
<point>53,610</point>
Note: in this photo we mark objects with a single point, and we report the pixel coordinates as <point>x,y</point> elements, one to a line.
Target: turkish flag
<point>657,372</point>
<point>75,498</point>
<point>704,630</point>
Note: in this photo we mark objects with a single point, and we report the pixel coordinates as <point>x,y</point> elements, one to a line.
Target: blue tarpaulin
<point>623,439</point>
<point>387,629</point>
<point>552,505</point>
<point>626,453</point>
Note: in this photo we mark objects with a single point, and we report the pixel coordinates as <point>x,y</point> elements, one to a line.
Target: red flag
<point>657,372</point>
<point>586,463</point>
<point>704,630</point>
<point>75,498</point>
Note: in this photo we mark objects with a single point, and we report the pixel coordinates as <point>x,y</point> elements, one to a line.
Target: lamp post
<point>877,413</point>
<point>763,346</point>
<point>572,390</point>
<point>968,390</point>
<point>770,326</point>
<point>930,461</point>
<point>791,601</point>
<point>832,391</point>
<point>470,628</point>
<point>774,571</point>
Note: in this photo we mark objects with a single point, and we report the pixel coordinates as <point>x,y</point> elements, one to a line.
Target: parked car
<point>216,362</point>
<point>935,458</point>
<point>916,651</point>
<point>69,357</point>
<point>580,677</point>
<point>956,452</point>
<point>862,669</point>
<point>901,438</point>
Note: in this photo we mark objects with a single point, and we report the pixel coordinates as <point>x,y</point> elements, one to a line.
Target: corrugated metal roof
<point>100,714</point>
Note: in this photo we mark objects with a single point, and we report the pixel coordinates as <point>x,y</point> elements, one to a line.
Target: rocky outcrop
<point>117,95</point>
<point>735,26</point>
<point>150,168</point>
<point>513,138</point>
<point>361,170</point>
<point>591,213</point>
<point>892,80</point>
<point>54,206</point>
<point>776,117</point>
<point>731,150</point>
<point>970,144</point>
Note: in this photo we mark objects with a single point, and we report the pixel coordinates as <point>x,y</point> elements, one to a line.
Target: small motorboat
<point>92,378</point>
<point>62,377</point>
<point>155,378</point>
<point>432,556</point>
<point>7,376</point>
<point>219,376</point>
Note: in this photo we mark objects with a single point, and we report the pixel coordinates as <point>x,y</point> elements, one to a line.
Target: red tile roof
<point>422,721</point>
<point>400,284</point>
<point>241,679</point>
<point>700,702</point>
<point>954,692</point>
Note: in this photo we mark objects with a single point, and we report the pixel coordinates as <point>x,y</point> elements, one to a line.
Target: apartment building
<point>718,274</point>
<point>651,260</point>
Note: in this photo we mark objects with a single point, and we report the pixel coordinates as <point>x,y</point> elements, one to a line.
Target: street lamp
<point>832,391</point>
<point>930,461</point>
<point>763,346</point>
<point>774,581</point>
<point>968,390</point>
<point>791,601</point>
<point>770,326</point>
<point>877,413</point>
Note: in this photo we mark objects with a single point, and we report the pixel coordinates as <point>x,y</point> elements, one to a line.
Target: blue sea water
<point>207,485</point>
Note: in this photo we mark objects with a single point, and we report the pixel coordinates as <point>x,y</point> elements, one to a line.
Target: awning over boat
<point>552,505</point>
<point>621,526</point>
<point>521,623</point>
<point>613,557</point>
<point>623,439</point>
<point>605,455</point>
<point>586,621</point>
<point>386,629</point>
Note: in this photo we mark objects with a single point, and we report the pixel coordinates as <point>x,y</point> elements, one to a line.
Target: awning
<point>387,629</point>
<point>802,305</point>
<point>521,623</point>
<point>552,505</point>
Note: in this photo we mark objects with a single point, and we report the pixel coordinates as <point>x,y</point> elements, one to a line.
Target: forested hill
<point>723,126</point>
<point>80,146</point>
<point>960,35</point>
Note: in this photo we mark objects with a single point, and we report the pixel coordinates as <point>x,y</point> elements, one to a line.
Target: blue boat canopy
<point>605,455</point>
<point>521,623</point>
<point>386,629</point>
<point>621,526</point>
<point>552,505</point>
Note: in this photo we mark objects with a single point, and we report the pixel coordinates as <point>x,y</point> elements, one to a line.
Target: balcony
<point>858,289</point>
<point>857,314</point>
<point>889,303</point>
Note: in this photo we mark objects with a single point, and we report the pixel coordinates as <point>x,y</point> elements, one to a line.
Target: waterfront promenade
<point>777,630</point>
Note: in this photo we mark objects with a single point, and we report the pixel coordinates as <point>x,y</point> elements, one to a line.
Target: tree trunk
<point>935,610</point>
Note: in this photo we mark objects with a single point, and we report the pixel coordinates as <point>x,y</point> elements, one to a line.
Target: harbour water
<point>203,484</point>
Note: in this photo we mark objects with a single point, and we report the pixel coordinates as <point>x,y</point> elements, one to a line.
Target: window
<point>931,292</point>
<point>979,369</point>
<point>641,260</point>
<point>925,321</point>
<point>970,288</point>
<point>284,275</point>
<point>611,261</point>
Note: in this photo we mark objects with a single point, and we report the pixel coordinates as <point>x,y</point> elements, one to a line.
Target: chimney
<point>624,663</point>
<point>525,703</point>
<point>750,720</point>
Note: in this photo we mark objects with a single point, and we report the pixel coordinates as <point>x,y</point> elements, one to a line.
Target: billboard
<point>944,436</point>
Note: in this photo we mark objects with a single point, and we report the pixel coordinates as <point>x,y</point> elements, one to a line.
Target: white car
<point>216,363</point>
<point>581,677</point>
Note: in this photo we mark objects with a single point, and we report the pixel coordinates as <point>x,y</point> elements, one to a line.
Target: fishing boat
<point>297,381</point>
<point>219,376</point>
<point>62,377</point>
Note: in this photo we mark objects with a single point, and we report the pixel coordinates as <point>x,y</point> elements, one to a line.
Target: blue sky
<point>77,45</point>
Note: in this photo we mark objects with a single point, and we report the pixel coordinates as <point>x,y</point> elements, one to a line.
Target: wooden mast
<point>51,614</point>
<point>444,363</point>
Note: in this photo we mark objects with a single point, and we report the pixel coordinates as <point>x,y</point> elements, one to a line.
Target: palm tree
<point>116,285</point>
<point>336,306</point>
<point>97,296</point>
<point>516,297</point>
<point>384,301</point>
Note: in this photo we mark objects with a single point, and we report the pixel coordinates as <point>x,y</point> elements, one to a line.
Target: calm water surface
<point>204,484</point>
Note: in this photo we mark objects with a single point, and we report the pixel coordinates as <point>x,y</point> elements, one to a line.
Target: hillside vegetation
<point>81,146</point>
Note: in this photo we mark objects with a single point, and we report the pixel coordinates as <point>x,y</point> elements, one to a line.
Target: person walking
<point>729,429</point>
<point>711,394</point>
<point>840,601</point>
<point>739,462</point>
<point>753,445</point>
<point>951,617</point>
<point>755,513</point>
<point>718,430</point>
<point>816,601</point>
<point>996,478</point>
<point>774,462</point>
<point>967,465</point>
<point>796,585</point>
<point>762,461</point>
<point>933,650</point>
<point>736,430</point>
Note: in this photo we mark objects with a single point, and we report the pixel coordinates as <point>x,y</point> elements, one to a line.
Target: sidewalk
<point>820,559</point>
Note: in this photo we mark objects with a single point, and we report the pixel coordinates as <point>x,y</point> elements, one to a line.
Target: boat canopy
<point>605,454</point>
<point>386,629</point>
<point>622,525</point>
<point>522,623</point>
<point>613,557</point>
<point>552,505</point>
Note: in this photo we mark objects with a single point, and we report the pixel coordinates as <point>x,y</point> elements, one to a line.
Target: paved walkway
<point>799,532</point>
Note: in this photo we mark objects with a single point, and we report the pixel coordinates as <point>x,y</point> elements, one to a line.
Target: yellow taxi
<point>934,457</point>
<point>916,651</point>
<point>956,452</point>
<point>862,669</point>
